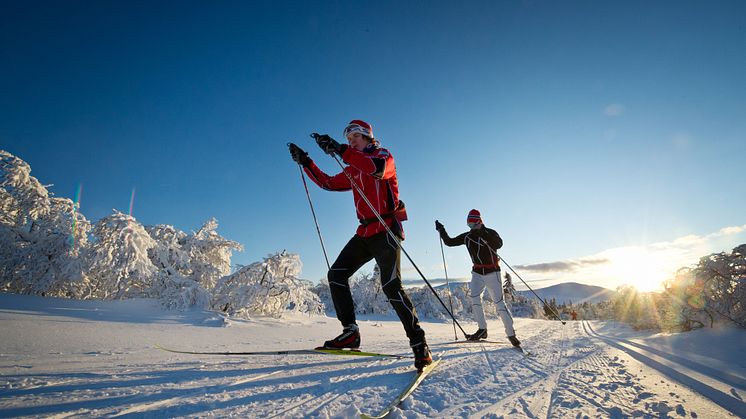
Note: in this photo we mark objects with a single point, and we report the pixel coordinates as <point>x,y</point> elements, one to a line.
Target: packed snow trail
<point>97,359</point>
<point>721,387</point>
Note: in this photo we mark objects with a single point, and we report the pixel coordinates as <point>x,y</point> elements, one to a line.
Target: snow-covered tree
<point>428,306</point>
<point>40,236</point>
<point>169,254</point>
<point>45,249</point>
<point>209,254</point>
<point>117,262</point>
<point>713,290</point>
<point>177,292</point>
<point>325,295</point>
<point>268,288</point>
<point>22,197</point>
<point>508,288</point>
<point>525,307</point>
<point>172,283</point>
<point>368,295</point>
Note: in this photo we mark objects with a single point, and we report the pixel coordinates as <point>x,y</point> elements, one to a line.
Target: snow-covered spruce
<point>268,288</point>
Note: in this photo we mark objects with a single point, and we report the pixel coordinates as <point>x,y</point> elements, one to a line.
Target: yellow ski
<point>404,394</point>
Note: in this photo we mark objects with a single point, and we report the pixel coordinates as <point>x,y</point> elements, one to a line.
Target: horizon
<point>599,140</point>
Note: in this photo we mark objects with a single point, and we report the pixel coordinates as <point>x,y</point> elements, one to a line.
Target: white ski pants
<point>492,281</point>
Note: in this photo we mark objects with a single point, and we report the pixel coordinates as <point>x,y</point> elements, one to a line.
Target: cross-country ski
<point>416,380</point>
<point>317,351</point>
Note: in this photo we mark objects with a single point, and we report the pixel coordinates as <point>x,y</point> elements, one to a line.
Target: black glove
<point>439,226</point>
<point>328,144</point>
<point>299,156</point>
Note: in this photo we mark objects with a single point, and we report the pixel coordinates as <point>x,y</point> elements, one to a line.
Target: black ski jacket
<point>482,244</point>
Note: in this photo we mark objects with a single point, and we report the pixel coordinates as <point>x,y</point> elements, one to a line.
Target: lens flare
<point>132,201</point>
<point>76,208</point>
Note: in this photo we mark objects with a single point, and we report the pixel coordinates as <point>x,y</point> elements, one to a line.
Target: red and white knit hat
<point>474,217</point>
<point>357,125</point>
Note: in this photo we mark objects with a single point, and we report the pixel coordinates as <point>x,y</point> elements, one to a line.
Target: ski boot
<point>514,340</point>
<point>349,339</point>
<point>422,355</point>
<point>479,334</point>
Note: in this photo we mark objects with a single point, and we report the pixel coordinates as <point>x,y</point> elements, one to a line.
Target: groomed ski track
<point>109,369</point>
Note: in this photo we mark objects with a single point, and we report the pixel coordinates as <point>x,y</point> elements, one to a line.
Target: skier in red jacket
<point>372,169</point>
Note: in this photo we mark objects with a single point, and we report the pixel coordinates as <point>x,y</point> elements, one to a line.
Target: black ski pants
<point>386,252</point>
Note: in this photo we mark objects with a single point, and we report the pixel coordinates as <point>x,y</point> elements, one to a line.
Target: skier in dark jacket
<point>372,169</point>
<point>482,244</point>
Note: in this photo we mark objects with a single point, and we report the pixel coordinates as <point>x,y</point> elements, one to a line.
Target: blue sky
<point>575,127</point>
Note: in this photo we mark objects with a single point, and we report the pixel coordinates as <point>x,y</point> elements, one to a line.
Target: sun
<point>638,267</point>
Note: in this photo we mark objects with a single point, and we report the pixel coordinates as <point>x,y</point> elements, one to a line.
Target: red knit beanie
<point>474,217</point>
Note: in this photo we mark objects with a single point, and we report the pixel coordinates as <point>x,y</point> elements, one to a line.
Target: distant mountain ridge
<point>565,292</point>
<point>574,292</point>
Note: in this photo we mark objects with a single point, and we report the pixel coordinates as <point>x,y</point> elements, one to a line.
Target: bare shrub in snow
<point>268,288</point>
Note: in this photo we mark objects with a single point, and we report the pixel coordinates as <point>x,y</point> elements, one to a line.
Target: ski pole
<point>397,241</point>
<point>524,282</point>
<point>537,295</point>
<point>313,213</point>
<point>445,269</point>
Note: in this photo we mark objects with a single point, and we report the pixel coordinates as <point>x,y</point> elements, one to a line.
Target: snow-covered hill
<point>66,358</point>
<point>567,292</point>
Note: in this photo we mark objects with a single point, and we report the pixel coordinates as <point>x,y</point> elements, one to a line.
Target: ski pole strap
<point>400,209</point>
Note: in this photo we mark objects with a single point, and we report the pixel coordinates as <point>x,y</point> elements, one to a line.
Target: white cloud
<point>614,109</point>
<point>644,266</point>
<point>726,231</point>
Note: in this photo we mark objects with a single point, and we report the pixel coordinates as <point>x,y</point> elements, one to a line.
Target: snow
<point>68,358</point>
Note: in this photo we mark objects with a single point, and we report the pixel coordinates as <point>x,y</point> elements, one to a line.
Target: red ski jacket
<point>374,172</point>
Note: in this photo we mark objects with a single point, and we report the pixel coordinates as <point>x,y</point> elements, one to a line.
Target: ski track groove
<point>346,382</point>
<point>542,368</point>
<point>716,389</point>
<point>543,386</point>
<point>144,407</point>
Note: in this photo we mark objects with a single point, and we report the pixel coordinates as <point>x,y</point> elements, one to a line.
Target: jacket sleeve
<point>493,239</point>
<point>338,182</point>
<point>379,164</point>
<point>451,242</point>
